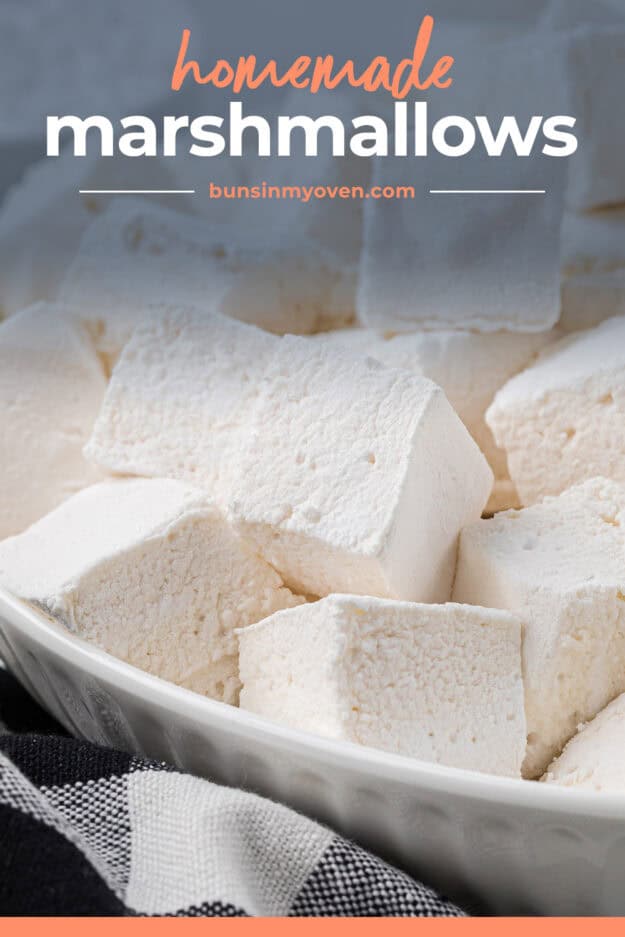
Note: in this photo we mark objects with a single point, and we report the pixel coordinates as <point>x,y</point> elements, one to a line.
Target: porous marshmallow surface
<point>149,571</point>
<point>441,682</point>
<point>135,254</point>
<point>51,389</point>
<point>347,475</point>
<point>356,477</point>
<point>594,759</point>
<point>560,567</point>
<point>178,398</point>
<point>469,366</point>
<point>561,420</point>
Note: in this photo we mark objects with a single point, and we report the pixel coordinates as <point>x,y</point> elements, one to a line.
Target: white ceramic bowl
<point>494,844</point>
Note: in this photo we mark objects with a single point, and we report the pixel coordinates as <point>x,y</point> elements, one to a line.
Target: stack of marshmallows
<point>387,528</point>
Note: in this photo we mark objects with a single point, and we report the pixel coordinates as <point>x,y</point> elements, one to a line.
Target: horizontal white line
<point>137,191</point>
<point>488,191</point>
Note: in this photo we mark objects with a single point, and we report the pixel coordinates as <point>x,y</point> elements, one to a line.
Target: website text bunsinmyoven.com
<point>306,193</point>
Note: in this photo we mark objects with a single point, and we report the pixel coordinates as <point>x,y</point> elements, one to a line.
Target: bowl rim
<point>459,782</point>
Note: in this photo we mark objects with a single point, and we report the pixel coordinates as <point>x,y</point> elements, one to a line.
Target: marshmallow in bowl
<point>44,217</point>
<point>469,366</point>
<point>561,420</point>
<point>51,389</point>
<point>356,477</point>
<point>179,397</point>
<point>594,759</point>
<point>347,475</point>
<point>135,254</point>
<point>560,567</point>
<point>442,682</point>
<point>149,571</point>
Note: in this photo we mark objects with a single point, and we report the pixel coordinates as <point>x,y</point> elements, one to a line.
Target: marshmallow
<point>469,366</point>
<point>136,255</point>
<point>560,567</point>
<point>441,683</point>
<point>594,759</point>
<point>51,388</point>
<point>150,572</point>
<point>349,476</point>
<point>355,477</point>
<point>593,243</point>
<point>590,299</point>
<point>178,398</point>
<point>561,420</point>
<point>594,78</point>
<point>593,268</point>
<point>44,217</point>
<point>485,262</point>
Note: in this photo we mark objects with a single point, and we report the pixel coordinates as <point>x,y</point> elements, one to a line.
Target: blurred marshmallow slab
<point>51,388</point>
<point>593,268</point>
<point>594,70</point>
<point>135,255</point>
<point>452,256</point>
<point>44,217</point>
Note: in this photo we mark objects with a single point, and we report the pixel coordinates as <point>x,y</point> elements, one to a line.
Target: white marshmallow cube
<point>469,366</point>
<point>179,397</point>
<point>355,477</point>
<point>51,389</point>
<point>594,759</point>
<point>562,420</point>
<point>560,567</point>
<point>150,572</point>
<point>441,683</point>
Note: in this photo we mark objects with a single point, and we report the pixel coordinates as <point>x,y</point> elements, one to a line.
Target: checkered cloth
<point>86,830</point>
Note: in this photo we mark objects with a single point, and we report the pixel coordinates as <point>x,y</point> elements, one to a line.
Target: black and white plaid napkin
<point>86,830</point>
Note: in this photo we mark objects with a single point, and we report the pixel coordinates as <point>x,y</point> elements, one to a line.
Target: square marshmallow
<point>135,255</point>
<point>469,366</point>
<point>560,567</point>
<point>347,475</point>
<point>51,389</point>
<point>150,572</point>
<point>178,398</point>
<point>355,477</point>
<point>561,421</point>
<point>437,682</point>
